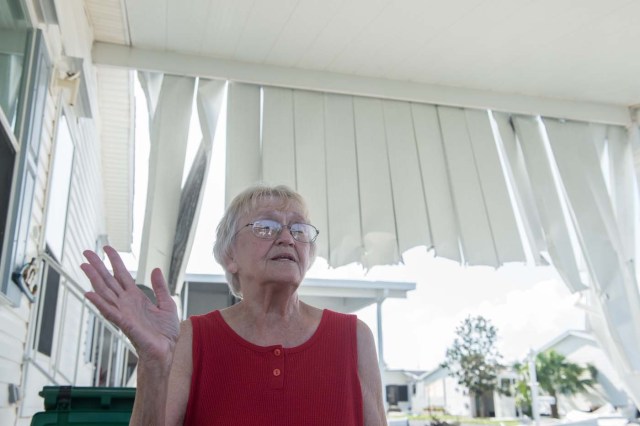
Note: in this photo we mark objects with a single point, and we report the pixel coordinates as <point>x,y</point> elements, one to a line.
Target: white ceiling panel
<point>108,21</point>
<point>307,21</point>
<point>262,28</point>
<point>148,23</point>
<point>185,29</point>
<point>566,49</point>
<point>224,27</point>
<point>345,27</point>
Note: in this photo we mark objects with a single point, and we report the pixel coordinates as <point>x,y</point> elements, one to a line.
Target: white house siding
<point>83,225</point>
<point>13,332</point>
<point>14,321</point>
<point>399,377</point>
<point>85,222</point>
<point>438,391</point>
<point>583,349</point>
<point>504,406</point>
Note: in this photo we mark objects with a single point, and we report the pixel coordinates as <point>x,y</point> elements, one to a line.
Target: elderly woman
<point>270,359</point>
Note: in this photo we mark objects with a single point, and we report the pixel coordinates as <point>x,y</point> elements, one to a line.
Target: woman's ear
<point>230,264</point>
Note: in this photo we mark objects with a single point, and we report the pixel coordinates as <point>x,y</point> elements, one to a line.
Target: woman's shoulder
<point>208,317</point>
<point>339,316</point>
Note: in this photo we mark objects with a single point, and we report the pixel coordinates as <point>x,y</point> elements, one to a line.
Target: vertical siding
<point>14,321</point>
<point>85,221</point>
<point>13,334</point>
<point>85,218</point>
<point>44,163</point>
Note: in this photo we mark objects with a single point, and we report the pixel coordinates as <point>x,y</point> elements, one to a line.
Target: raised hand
<point>152,329</point>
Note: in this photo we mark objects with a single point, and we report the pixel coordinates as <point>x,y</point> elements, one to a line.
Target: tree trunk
<point>554,407</point>
<point>479,405</point>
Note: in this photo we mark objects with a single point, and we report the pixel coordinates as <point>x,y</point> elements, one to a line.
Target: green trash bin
<point>67,405</point>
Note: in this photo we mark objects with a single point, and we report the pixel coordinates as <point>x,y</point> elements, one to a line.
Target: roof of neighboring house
<point>339,295</point>
<point>435,374</point>
<point>569,334</point>
<point>412,374</point>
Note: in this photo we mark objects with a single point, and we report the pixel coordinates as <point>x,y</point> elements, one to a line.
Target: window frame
<point>34,90</point>
<point>64,112</point>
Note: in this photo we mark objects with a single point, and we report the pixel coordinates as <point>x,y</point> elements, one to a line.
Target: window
<point>14,35</point>
<point>47,313</point>
<point>55,226</point>
<point>59,187</point>
<point>397,393</point>
<point>7,160</point>
<point>28,130</point>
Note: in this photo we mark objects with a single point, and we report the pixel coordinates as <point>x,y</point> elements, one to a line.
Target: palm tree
<point>556,376</point>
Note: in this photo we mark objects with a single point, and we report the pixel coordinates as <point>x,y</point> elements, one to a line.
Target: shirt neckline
<point>242,341</point>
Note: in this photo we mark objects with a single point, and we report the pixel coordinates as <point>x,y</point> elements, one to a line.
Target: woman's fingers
<point>160,288</point>
<point>120,271</point>
<point>120,280</point>
<point>98,284</point>
<point>100,268</point>
<point>108,310</point>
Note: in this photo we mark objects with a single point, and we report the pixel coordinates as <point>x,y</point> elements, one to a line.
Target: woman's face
<point>282,260</point>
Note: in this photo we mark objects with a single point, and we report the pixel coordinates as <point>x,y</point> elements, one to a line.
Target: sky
<point>528,305</point>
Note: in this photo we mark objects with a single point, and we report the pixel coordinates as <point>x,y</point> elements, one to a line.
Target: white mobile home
<point>437,393</point>
<point>404,123</point>
<point>582,348</point>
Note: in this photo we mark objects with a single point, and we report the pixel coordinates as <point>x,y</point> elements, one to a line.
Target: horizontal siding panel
<point>435,182</point>
<point>278,148</point>
<point>8,415</point>
<point>11,348</point>
<point>343,195</point>
<point>311,161</point>
<point>9,373</point>
<point>12,325</point>
<point>412,221</point>
<point>502,220</point>
<point>85,220</point>
<point>475,230</point>
<point>376,199</point>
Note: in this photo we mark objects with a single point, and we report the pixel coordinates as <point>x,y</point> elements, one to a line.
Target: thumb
<point>161,289</point>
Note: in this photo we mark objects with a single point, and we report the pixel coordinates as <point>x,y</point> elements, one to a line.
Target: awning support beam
<point>197,66</point>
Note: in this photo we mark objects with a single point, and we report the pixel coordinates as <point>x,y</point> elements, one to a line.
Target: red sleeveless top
<point>237,383</point>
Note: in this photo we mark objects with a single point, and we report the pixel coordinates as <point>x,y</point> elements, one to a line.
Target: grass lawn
<point>466,420</point>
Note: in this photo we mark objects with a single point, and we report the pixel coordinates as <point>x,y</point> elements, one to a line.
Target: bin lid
<point>87,398</point>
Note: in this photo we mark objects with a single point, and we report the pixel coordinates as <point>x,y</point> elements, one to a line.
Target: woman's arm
<point>370,382</point>
<point>180,376</point>
<point>153,329</point>
<point>165,390</point>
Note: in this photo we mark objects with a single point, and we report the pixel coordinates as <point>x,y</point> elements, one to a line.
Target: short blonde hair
<point>242,204</point>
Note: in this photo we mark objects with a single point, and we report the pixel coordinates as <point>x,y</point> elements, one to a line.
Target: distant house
<point>581,348</point>
<point>400,389</point>
<point>438,392</point>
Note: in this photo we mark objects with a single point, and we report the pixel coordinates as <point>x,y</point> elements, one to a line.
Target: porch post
<point>381,364</point>
<point>381,299</point>
<point>535,408</point>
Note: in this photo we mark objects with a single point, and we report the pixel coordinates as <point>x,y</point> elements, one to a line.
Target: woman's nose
<point>285,236</point>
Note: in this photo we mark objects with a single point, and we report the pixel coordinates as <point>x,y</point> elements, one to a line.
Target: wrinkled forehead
<point>267,203</point>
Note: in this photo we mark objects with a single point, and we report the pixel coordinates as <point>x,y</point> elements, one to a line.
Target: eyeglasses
<point>270,229</point>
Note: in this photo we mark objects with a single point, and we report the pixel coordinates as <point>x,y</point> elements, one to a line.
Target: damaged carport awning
<point>382,176</point>
<point>482,188</point>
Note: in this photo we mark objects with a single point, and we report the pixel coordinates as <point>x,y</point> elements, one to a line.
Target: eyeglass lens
<point>270,229</point>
